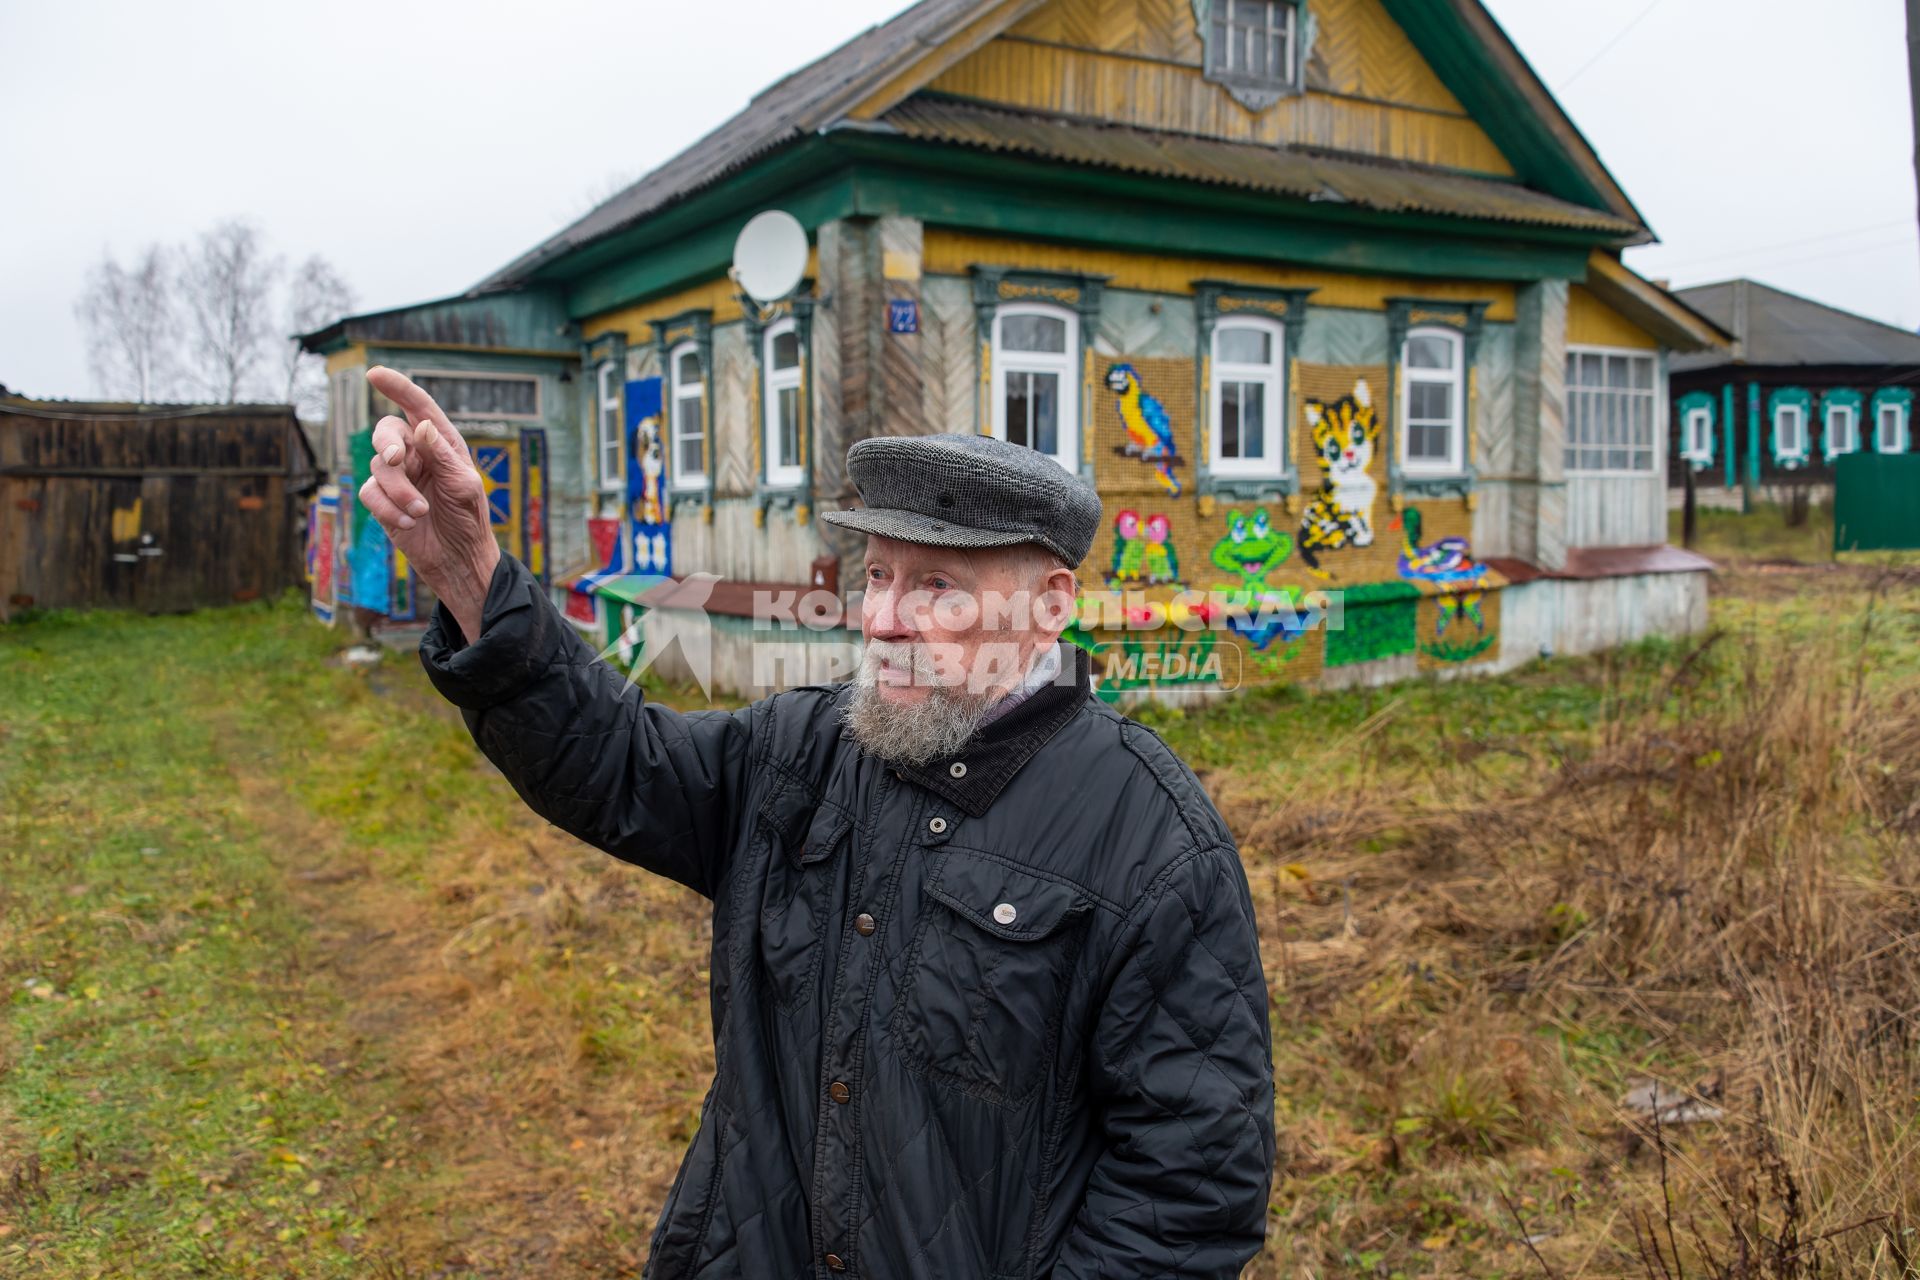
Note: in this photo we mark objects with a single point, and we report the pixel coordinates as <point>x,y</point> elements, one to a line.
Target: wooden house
<point>1802,385</point>
<point>506,367</point>
<point>1324,296</point>
<point>154,507</point>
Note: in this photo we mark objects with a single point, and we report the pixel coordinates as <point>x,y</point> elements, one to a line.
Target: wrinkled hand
<point>425,493</point>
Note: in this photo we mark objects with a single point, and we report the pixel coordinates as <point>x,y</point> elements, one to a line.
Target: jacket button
<point>863,925</point>
<point>839,1092</point>
<point>958,769</point>
<point>835,1262</point>
<point>936,825</point>
<point>1005,913</point>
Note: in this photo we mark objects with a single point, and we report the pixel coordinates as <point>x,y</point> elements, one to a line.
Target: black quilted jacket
<point>1003,1016</point>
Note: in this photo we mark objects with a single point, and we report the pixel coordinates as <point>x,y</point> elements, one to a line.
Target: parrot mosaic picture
<point>1199,585</point>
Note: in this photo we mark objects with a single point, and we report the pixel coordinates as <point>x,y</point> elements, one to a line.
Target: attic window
<point>1251,48</point>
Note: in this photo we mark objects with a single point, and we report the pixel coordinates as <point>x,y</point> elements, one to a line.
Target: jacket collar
<point>1003,746</point>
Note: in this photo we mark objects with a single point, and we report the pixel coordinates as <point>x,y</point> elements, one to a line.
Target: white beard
<point>938,725</point>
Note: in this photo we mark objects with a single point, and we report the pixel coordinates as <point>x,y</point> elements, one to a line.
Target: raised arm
<point>577,741</point>
<point>1182,1064</point>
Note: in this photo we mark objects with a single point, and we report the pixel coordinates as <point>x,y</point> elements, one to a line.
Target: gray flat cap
<point>968,491</point>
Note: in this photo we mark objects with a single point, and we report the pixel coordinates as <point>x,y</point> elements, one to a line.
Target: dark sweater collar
<point>1004,745</point>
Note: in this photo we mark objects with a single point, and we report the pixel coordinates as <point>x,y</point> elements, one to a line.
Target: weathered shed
<point>152,507</point>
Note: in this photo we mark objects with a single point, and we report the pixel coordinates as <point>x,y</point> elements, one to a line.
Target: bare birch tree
<point>316,297</point>
<point>226,289</point>
<point>131,327</point>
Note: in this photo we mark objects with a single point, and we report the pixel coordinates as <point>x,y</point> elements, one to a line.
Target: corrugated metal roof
<point>1307,175</point>
<point>1773,327</point>
<point>810,98</point>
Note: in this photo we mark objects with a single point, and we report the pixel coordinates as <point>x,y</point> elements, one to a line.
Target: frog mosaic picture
<point>1192,585</point>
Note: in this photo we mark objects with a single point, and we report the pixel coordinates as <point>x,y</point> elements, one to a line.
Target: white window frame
<point>1656,391</point>
<point>1802,447</point>
<point>1696,440</point>
<point>676,433</point>
<point>1898,413</point>
<point>609,447</point>
<point>781,473</point>
<point>539,392</point>
<point>1220,56</point>
<point>1066,364</point>
<point>1851,413</point>
<point>1456,379</point>
<point>1271,376</point>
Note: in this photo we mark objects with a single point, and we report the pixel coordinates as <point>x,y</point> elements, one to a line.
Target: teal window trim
<point>1465,319</point>
<point>996,287</point>
<point>1782,406</point>
<point>1686,409</point>
<point>797,307</point>
<point>1840,398</point>
<point>695,327</point>
<point>1215,300</point>
<point>1900,398</point>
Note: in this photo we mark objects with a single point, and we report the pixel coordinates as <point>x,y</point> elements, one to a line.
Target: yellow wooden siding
<point>1139,62</point>
<point>955,252</point>
<point>346,358</point>
<point>1592,323</point>
<point>1359,49</point>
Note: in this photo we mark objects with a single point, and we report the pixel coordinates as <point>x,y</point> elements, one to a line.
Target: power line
<point>1903,243</point>
<point>1782,244</point>
<point>1603,50</point>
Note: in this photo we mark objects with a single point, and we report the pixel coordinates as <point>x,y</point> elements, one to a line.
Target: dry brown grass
<point>1717,891</point>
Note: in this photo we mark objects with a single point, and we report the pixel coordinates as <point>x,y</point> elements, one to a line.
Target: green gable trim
<point>1002,195</point>
<point>1497,104</point>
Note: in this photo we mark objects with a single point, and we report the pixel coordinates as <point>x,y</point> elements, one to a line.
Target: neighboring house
<point>157,507</point>
<point>1803,384</point>
<point>1322,296</point>
<point>506,367</point>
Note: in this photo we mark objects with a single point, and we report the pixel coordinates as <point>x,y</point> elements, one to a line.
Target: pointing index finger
<point>418,406</point>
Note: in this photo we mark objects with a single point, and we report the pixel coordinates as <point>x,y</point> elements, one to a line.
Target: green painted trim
<point>1902,397</point>
<point>1726,431</point>
<point>653,267</point>
<point>1753,433</point>
<point>1682,408</point>
<point>1790,398</point>
<point>1500,106</point>
<point>858,174</point>
<point>1840,398</point>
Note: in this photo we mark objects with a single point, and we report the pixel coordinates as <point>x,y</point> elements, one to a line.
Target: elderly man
<point>987,995</point>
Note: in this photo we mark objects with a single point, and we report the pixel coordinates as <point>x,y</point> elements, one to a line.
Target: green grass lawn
<point>294,986</point>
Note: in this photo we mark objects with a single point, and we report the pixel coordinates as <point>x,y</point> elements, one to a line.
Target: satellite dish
<point>770,255</point>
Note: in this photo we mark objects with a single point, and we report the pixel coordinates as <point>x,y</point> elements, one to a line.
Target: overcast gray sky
<point>420,145</point>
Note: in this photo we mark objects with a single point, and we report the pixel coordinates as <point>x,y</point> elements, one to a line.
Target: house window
<point>608,426</point>
<point>1247,404</point>
<point>483,395</point>
<point>1433,438</point>
<point>1610,411</point>
<point>1789,431</point>
<point>1890,428</point>
<point>1035,393</point>
<point>1843,429</point>
<point>1250,45</point>
<point>1696,444</point>
<point>780,359</point>
<point>689,417</point>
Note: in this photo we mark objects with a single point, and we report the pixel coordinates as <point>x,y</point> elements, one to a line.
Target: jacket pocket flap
<point>808,829</point>
<point>1006,901</point>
